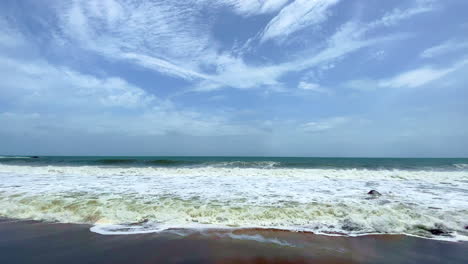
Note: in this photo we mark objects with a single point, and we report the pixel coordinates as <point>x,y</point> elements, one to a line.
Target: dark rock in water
<point>466,227</point>
<point>374,193</point>
<point>34,157</point>
<point>437,230</point>
<point>349,225</point>
<point>141,222</point>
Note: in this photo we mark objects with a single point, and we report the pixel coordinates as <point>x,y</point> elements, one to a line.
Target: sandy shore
<point>36,242</point>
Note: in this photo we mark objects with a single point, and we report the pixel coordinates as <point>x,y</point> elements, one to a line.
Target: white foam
<point>260,238</point>
<point>110,229</point>
<point>461,165</point>
<point>317,200</point>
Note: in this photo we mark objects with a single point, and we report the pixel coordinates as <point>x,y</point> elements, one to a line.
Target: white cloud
<point>50,97</point>
<point>162,66</point>
<point>397,15</point>
<point>251,7</point>
<point>58,98</point>
<point>421,76</point>
<point>38,81</point>
<point>313,87</point>
<point>272,5</point>
<point>234,72</point>
<point>325,124</point>
<point>444,48</point>
<point>296,16</point>
<point>349,38</point>
<point>175,38</point>
<point>415,78</point>
<point>410,79</point>
<point>110,9</point>
<point>168,36</point>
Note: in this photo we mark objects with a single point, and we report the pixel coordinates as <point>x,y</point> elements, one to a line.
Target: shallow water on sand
<point>36,242</point>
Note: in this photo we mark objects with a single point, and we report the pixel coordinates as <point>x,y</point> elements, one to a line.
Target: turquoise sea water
<point>254,162</point>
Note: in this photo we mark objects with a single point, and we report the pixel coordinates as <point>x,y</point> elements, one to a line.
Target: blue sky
<point>234,77</point>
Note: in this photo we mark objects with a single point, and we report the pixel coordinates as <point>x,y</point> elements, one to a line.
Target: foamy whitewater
<point>125,198</point>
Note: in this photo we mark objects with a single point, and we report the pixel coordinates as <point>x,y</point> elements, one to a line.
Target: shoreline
<point>214,228</point>
<point>23,241</point>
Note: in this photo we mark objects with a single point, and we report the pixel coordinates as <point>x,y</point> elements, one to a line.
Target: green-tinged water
<point>245,162</point>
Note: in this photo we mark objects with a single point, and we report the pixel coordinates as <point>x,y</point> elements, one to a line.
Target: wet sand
<point>37,242</point>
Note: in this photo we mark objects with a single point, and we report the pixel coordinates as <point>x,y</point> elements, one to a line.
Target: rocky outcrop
<point>374,193</point>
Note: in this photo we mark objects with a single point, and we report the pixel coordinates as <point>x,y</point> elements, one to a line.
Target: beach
<point>133,195</point>
<point>38,242</point>
<point>233,210</point>
<point>233,131</point>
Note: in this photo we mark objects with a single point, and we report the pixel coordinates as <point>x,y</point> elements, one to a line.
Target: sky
<point>366,78</point>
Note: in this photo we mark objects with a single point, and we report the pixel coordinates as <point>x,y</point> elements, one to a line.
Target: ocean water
<point>125,195</point>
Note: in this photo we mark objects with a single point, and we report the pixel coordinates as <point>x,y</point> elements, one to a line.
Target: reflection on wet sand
<point>36,242</point>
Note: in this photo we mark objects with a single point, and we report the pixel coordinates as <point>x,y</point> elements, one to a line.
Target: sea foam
<point>125,200</point>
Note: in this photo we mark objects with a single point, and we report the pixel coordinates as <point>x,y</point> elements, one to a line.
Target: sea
<point>421,197</point>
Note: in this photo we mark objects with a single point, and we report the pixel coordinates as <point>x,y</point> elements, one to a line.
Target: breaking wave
<point>461,166</point>
<point>243,162</point>
<point>125,200</point>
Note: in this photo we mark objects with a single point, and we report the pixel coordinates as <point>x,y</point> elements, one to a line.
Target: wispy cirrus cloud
<point>421,76</point>
<point>252,7</point>
<point>297,15</point>
<point>89,71</point>
<point>325,124</point>
<point>234,72</point>
<point>347,39</point>
<point>56,99</point>
<point>36,83</point>
<point>398,14</point>
<point>160,35</point>
<point>163,66</point>
<point>51,99</point>
<point>314,87</point>
<point>450,46</point>
<point>409,79</point>
<point>174,37</point>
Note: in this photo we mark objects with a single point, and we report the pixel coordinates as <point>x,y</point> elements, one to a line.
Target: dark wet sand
<point>35,242</point>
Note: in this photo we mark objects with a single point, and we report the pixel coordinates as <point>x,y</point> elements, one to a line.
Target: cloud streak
<point>325,124</point>
<point>414,78</point>
<point>222,71</point>
<point>313,87</point>
<point>450,46</point>
<point>173,38</point>
<point>254,7</point>
<point>58,98</point>
<point>296,16</point>
<point>421,76</point>
<point>159,35</point>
